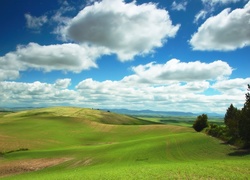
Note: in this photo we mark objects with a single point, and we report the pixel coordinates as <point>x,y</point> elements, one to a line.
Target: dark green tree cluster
<point>231,120</point>
<point>244,121</point>
<point>237,124</point>
<point>200,123</point>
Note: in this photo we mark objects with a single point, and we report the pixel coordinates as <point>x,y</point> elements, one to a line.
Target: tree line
<point>236,128</point>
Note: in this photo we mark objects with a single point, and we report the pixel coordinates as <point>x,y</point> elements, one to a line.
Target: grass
<point>180,120</point>
<point>99,146</point>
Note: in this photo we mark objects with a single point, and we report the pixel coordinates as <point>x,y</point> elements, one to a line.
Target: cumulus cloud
<point>210,6</point>
<point>229,30</point>
<point>175,70</point>
<point>65,57</point>
<point>232,86</point>
<point>119,94</point>
<point>36,93</point>
<point>161,93</point>
<point>8,74</point>
<point>179,6</point>
<point>34,22</point>
<point>233,90</point>
<point>126,29</point>
<point>9,67</point>
<point>62,83</point>
<point>151,87</point>
<point>184,97</point>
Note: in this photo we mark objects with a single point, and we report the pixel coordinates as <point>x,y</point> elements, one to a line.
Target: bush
<point>220,132</point>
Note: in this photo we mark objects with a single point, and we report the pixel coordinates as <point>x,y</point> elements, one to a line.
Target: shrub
<point>220,132</point>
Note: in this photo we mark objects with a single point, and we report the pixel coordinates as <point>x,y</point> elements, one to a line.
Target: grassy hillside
<point>75,143</point>
<point>187,121</point>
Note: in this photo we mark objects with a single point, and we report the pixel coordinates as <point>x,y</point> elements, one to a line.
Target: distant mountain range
<point>159,113</point>
<point>14,109</point>
<point>132,112</point>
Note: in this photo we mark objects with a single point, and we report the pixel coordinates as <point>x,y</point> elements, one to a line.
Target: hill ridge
<point>100,116</point>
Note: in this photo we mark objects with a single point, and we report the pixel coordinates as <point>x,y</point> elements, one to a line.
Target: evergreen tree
<point>231,120</point>
<point>244,123</point>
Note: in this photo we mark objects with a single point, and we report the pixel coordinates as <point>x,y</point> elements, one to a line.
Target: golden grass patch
<point>22,166</point>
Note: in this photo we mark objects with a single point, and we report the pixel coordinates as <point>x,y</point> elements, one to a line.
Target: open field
<point>180,120</point>
<point>75,143</point>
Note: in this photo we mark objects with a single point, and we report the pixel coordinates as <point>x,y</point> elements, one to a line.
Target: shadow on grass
<point>240,152</point>
<point>12,151</point>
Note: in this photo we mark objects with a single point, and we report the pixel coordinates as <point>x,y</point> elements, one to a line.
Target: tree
<point>231,120</point>
<point>200,123</point>
<point>244,123</point>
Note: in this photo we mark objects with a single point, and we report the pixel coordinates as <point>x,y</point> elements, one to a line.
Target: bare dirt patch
<point>22,166</point>
<point>84,162</point>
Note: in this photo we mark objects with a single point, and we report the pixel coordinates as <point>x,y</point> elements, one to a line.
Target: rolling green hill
<point>77,143</point>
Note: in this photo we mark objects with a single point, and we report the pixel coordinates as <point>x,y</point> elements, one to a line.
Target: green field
<point>180,120</point>
<point>75,143</point>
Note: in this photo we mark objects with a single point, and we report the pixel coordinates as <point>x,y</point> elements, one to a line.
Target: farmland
<point>77,143</point>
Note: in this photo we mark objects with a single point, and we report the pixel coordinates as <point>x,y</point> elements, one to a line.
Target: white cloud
<point>229,30</point>
<point>9,67</point>
<point>67,57</point>
<point>60,15</point>
<point>200,15</point>
<point>214,2</point>
<point>35,23</point>
<point>150,87</point>
<point>171,97</point>
<point>162,93</point>
<point>34,94</point>
<point>120,94</point>
<point>232,86</point>
<point>179,6</point>
<point>151,27</point>
<point>175,70</point>
<point>126,29</point>
<point>64,57</point>
<point>210,6</point>
<point>8,74</point>
<point>233,90</point>
<point>62,83</point>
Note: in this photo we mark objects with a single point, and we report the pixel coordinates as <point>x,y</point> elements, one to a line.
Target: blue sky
<point>171,55</point>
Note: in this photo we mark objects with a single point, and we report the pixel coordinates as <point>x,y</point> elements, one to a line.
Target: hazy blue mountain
<point>159,113</point>
<point>151,113</point>
<point>133,112</point>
